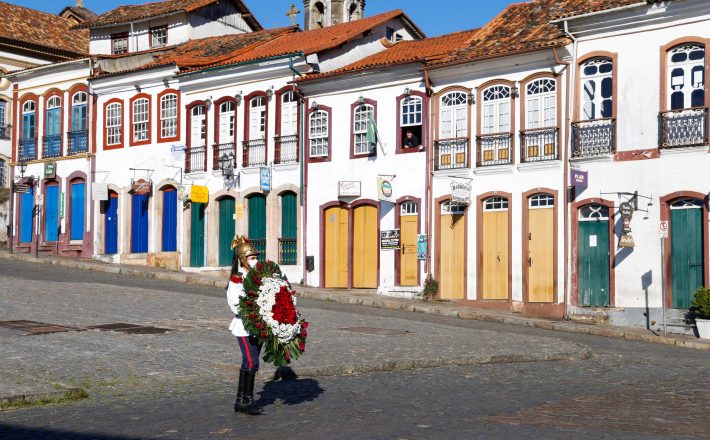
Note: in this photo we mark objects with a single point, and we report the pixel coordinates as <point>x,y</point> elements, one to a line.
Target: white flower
<point>266,300</point>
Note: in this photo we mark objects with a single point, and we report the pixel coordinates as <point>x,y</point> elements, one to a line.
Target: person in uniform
<point>244,258</point>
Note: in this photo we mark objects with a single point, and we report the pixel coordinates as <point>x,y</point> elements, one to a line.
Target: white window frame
<point>318,133</point>
<point>541,103</point>
<point>593,213</point>
<point>3,173</point>
<point>453,115</point>
<point>114,123</point>
<point>450,208</point>
<point>168,115</point>
<point>361,117</point>
<point>28,107</point>
<point>116,47</point>
<point>496,204</point>
<point>592,100</point>
<point>226,122</point>
<point>141,120</point>
<point>257,117</point>
<point>408,208</point>
<point>411,110</point>
<point>496,110</point>
<point>3,113</point>
<point>199,111</point>
<point>541,201</point>
<point>162,39</point>
<point>289,114</point>
<point>692,78</point>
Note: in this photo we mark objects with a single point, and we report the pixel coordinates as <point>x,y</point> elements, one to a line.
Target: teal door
<point>197,236</point>
<point>593,263</point>
<point>289,227</point>
<point>687,260</point>
<point>257,223</point>
<point>51,213</point>
<point>226,230</point>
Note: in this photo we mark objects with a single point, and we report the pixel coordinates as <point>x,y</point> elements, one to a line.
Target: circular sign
<point>626,209</point>
<point>386,188</point>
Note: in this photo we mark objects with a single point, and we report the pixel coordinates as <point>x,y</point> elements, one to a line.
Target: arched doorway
<point>197,234</point>
<point>139,223</point>
<point>51,212</point>
<point>540,258</point>
<point>365,247</point>
<point>170,213</point>
<point>687,259</point>
<point>111,224</point>
<point>495,249</point>
<point>336,233</point>
<point>593,256</point>
<point>257,222</point>
<point>452,250</point>
<point>226,230</point>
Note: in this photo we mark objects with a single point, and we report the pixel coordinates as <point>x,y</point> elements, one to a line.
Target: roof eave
<point>602,12</point>
<point>437,66</point>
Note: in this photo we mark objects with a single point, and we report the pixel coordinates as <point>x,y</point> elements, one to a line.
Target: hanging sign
<point>390,239</point>
<point>579,179</point>
<point>177,152</point>
<point>627,212</point>
<point>199,194</point>
<point>141,187</point>
<point>421,247</point>
<point>460,193</point>
<point>20,188</point>
<point>50,170</point>
<point>349,188</point>
<point>626,240</point>
<point>99,191</point>
<point>265,178</point>
<point>385,190</point>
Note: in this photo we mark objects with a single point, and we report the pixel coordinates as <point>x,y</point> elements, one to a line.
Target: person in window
<point>411,140</point>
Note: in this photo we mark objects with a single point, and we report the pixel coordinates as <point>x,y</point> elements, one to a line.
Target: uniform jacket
<point>235,290</point>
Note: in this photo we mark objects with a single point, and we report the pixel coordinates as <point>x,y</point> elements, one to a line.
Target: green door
<point>226,230</point>
<point>197,236</point>
<point>686,253</point>
<point>289,228</point>
<point>257,223</point>
<point>593,263</point>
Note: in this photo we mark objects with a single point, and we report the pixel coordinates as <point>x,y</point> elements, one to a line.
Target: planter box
<point>703,326</point>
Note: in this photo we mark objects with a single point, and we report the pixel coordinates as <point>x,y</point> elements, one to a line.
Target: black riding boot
<point>239,403</point>
<point>248,406</point>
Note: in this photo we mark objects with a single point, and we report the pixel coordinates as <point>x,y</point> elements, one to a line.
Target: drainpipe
<point>92,158</point>
<point>430,175</point>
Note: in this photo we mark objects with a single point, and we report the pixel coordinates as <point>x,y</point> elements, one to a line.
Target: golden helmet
<point>243,248</point>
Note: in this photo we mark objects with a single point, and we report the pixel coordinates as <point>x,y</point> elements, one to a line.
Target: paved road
<point>627,390</point>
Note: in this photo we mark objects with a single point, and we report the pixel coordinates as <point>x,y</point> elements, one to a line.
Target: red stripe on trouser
<point>243,340</point>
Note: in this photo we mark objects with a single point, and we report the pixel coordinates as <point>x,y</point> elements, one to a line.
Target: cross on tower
<point>293,12</point>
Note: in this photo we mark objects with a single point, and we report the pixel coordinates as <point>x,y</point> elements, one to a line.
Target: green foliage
<point>431,288</point>
<point>700,306</point>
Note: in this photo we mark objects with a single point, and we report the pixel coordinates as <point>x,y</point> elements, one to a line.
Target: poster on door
<point>390,239</point>
<point>421,247</point>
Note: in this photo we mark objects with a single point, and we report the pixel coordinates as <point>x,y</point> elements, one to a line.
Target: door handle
<point>529,261</point>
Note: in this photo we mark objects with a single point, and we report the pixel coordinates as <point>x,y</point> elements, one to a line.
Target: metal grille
<point>286,149</point>
<point>287,251</point>
<point>52,146</point>
<point>254,153</point>
<point>494,149</point>
<point>594,138</point>
<point>196,159</point>
<point>78,142</point>
<point>451,153</point>
<point>5,131</point>
<point>219,150</point>
<point>28,149</point>
<point>259,244</point>
<point>684,128</point>
<point>538,145</point>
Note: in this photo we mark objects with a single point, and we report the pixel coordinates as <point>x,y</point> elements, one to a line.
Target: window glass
<point>318,133</point>
<point>363,113</point>
<point>168,115</point>
<point>140,119</point>
<point>257,118</point>
<point>597,89</point>
<point>686,76</point>
<point>159,36</point>
<point>119,43</point>
<point>453,116</point>
<point>113,124</point>
<point>496,110</point>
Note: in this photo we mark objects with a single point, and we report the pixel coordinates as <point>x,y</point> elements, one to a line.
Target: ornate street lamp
<point>225,164</point>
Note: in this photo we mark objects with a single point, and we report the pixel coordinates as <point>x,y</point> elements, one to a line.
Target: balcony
<point>51,146</point>
<point>683,128</point>
<point>28,149</point>
<point>538,145</point>
<point>5,132</point>
<point>77,142</point>
<point>254,153</point>
<point>494,149</point>
<point>286,149</point>
<point>220,149</point>
<point>593,138</point>
<point>451,154</point>
<point>260,245</point>
<point>287,251</point>
<point>196,159</point>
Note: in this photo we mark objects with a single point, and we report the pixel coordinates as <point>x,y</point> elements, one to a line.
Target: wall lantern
<point>238,98</point>
<point>407,92</point>
<point>515,91</point>
<point>208,103</point>
<point>361,100</point>
<point>225,164</point>
<point>471,98</point>
<point>23,168</point>
<point>314,105</point>
<point>270,92</point>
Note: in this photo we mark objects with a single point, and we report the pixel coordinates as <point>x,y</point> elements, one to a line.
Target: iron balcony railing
<point>220,149</point>
<point>451,154</point>
<point>286,149</point>
<point>683,128</point>
<point>5,132</point>
<point>539,144</point>
<point>51,146</point>
<point>287,251</point>
<point>28,149</point>
<point>77,142</point>
<point>494,149</point>
<point>254,153</point>
<point>260,245</point>
<point>196,159</point>
<point>593,138</point>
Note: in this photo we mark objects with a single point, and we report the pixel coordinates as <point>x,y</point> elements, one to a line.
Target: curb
<point>379,302</point>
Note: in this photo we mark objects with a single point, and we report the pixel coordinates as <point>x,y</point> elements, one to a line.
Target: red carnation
<point>259,325</point>
<point>301,345</point>
<point>248,303</point>
<point>257,280</point>
<point>259,266</point>
<point>263,334</point>
<point>304,324</point>
<point>304,333</point>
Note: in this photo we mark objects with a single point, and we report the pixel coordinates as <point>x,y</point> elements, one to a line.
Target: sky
<point>433,17</point>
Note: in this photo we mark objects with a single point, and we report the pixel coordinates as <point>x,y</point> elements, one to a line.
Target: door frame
<point>398,225</point>
<point>574,278</point>
<point>43,220</point>
<point>666,202</point>
<point>526,243</point>
<point>437,248</point>
<point>479,243</point>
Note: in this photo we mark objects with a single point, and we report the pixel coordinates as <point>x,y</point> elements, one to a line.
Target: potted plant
<point>700,308</point>
<point>431,288</point>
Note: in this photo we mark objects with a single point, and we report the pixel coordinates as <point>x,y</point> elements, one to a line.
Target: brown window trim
<point>353,106</point>
<point>150,35</point>
<point>425,124</point>
<point>307,144</point>
<point>120,36</point>
<point>159,118</point>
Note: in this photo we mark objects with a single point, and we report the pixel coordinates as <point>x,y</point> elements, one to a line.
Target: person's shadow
<point>287,387</point>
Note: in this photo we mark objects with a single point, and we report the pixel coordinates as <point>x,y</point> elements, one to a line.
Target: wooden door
<point>27,206</point>
<point>139,223</point>
<point>409,227</point>
<point>541,238</point>
<point>197,235</point>
<point>687,260</point>
<point>335,238</point>
<point>111,224</point>
<point>257,223</point>
<point>452,252</point>
<point>494,249</point>
<point>78,191</point>
<point>170,212</point>
<point>365,247</point>
<point>51,213</point>
<point>593,257</point>
<point>226,230</point>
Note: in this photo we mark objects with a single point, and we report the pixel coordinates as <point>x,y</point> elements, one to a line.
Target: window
<point>541,104</point>
<point>454,116</point>
<point>593,213</point>
<point>226,122</point>
<point>452,208</point>
<point>119,43</point>
<point>159,36</point>
<point>78,117</point>
<point>199,125</point>
<point>257,118</point>
<point>597,88</point>
<point>410,121</point>
<point>361,119</point>
<point>389,34</point>
<point>3,115</point>
<point>496,110</point>
<point>318,133</point>
<point>541,201</point>
<point>28,120</point>
<point>686,73</point>
<point>54,116</point>
<point>169,115</point>
<point>3,173</point>
<point>408,208</point>
<point>114,123</point>
<point>141,123</point>
<point>289,114</point>
<point>495,204</point>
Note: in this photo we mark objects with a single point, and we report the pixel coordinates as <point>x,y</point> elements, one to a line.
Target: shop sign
<point>178,152</point>
<point>21,188</point>
<point>349,188</point>
<point>385,190</point>
<point>199,194</point>
<point>50,170</point>
<point>39,199</point>
<point>626,240</point>
<point>265,178</point>
<point>460,193</point>
<point>61,205</point>
<point>140,187</point>
<point>663,229</point>
<point>389,239</point>
<point>579,179</point>
<point>239,211</point>
<point>421,247</point>
<point>100,191</point>
<point>627,212</point>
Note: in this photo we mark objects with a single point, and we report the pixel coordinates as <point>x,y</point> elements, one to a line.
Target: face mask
<point>252,263</point>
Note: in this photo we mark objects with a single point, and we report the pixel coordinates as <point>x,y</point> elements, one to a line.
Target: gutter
<point>245,63</point>
<point>43,67</point>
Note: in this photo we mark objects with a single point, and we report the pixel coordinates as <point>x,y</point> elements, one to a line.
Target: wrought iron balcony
<point>287,251</point>
<point>683,128</point>
<point>5,132</point>
<point>494,149</point>
<point>260,245</point>
<point>196,159</point>
<point>219,149</point>
<point>78,142</point>
<point>594,138</point>
<point>254,153</point>
<point>451,154</point>
<point>51,146</point>
<point>286,149</point>
<point>538,145</point>
<point>28,149</point>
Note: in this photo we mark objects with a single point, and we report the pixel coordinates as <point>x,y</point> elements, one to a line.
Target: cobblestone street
<point>364,374</point>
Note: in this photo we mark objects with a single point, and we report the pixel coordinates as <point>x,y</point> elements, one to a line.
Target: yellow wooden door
<point>452,269</point>
<point>495,255</point>
<point>408,263</point>
<point>540,260</point>
<point>336,247</point>
<point>365,247</point>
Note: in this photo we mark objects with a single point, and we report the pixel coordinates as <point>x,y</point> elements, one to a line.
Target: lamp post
<point>23,168</point>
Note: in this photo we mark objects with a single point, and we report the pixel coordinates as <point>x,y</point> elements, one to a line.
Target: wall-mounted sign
<point>182,194</point>
<point>239,211</point>
<point>385,190</point>
<point>265,178</point>
<point>627,211</point>
<point>99,191</point>
<point>579,179</point>
<point>199,194</point>
<point>389,239</point>
<point>626,240</point>
<point>663,229</point>
<point>421,247</point>
<point>50,170</point>
<point>177,152</point>
<point>20,188</point>
<point>61,205</point>
<point>349,188</point>
<point>141,186</point>
<point>39,199</point>
<point>460,193</point>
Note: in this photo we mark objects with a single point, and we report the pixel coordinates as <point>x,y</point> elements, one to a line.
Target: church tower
<point>324,13</point>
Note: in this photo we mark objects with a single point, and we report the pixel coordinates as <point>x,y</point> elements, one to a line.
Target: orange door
<point>408,263</point>
<point>540,259</point>
<point>495,249</point>
<point>452,252</point>
<point>336,247</point>
<point>365,247</point>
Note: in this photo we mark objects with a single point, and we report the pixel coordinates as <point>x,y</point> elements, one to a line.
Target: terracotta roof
<point>590,6</point>
<point>79,11</point>
<point>42,29</point>
<point>129,13</point>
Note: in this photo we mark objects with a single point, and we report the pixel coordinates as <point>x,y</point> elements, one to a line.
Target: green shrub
<point>431,288</point>
<point>700,305</point>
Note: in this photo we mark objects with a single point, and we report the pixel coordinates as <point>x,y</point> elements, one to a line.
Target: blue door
<point>26,220</point>
<point>169,220</point>
<point>112,224</point>
<point>139,224</point>
<point>77,210</point>
<point>51,213</point>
